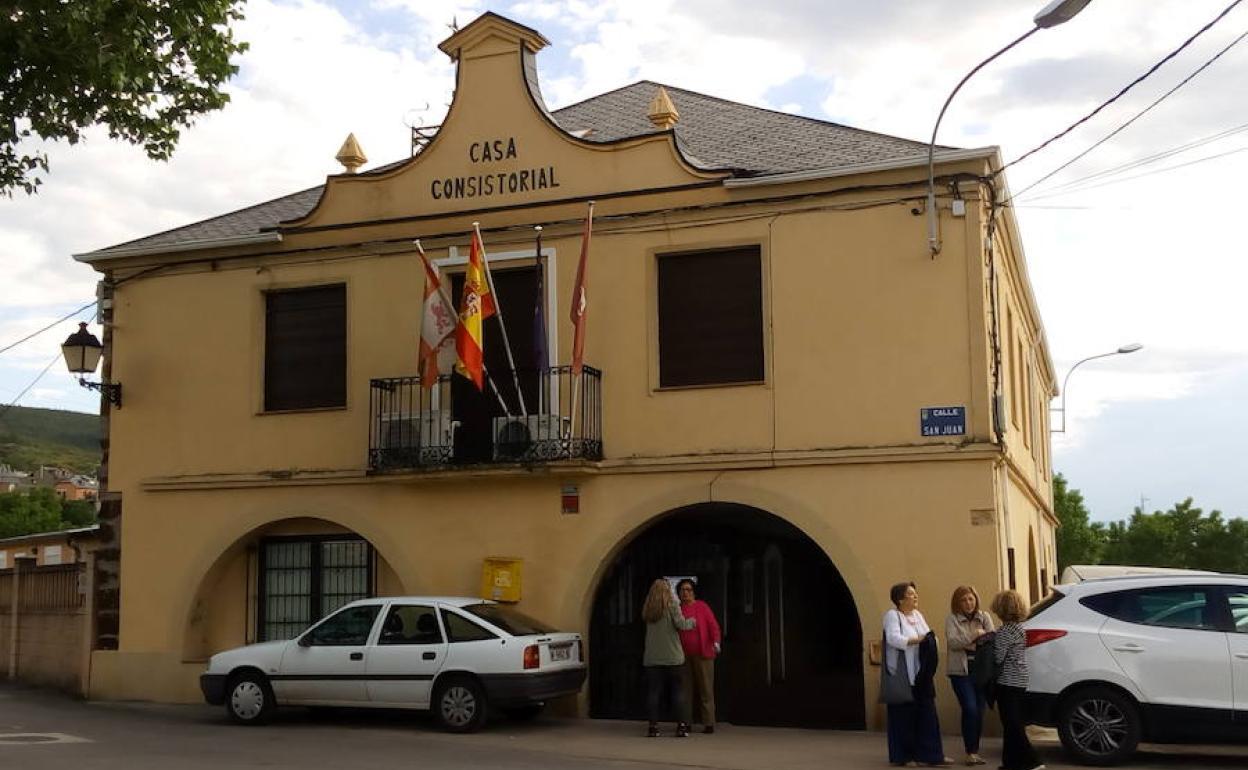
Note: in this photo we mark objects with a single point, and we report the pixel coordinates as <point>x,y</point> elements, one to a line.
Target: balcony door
<point>475,410</point>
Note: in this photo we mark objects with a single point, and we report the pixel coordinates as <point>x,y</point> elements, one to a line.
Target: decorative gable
<point>499,147</point>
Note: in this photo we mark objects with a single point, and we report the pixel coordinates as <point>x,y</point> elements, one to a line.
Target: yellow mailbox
<point>501,578</point>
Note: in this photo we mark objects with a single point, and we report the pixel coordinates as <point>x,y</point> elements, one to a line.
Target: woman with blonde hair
<point>1009,649</point>
<point>664,658</point>
<point>965,627</point>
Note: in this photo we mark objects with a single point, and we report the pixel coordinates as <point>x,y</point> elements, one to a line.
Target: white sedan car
<point>1155,658</point>
<point>458,657</point>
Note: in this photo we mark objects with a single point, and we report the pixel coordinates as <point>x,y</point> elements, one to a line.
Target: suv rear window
<point>1047,602</point>
<point>512,621</point>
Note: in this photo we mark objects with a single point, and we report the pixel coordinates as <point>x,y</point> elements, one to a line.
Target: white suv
<point>1157,658</point>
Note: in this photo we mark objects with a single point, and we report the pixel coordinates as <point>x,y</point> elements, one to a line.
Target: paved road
<point>129,736</point>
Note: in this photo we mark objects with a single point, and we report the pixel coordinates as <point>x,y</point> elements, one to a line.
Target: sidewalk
<point>730,748</point>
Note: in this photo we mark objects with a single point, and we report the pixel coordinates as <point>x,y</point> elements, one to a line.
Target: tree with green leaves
<point>41,509</point>
<point>143,68</point>
<point>22,513</point>
<point>1078,540</point>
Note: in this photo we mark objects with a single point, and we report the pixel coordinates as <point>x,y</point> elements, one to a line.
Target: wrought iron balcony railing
<point>452,424</point>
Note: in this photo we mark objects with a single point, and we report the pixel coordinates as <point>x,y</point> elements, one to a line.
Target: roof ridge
<point>782,113</point>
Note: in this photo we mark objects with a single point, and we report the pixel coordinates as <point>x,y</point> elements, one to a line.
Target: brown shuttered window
<point>305,348</point>
<point>710,317</point>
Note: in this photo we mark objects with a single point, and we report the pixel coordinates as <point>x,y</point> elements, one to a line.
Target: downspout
<point>1005,538</point>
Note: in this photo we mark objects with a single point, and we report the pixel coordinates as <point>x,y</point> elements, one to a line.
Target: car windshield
<point>512,621</point>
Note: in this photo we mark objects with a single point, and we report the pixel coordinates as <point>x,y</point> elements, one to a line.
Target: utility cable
<point>1134,118</point>
<point>11,404</point>
<point>1124,90</point>
<point>34,334</point>
<point>1140,162</point>
<point>1047,195</point>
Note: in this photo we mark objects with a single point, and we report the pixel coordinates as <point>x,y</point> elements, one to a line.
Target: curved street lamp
<point>1053,14</point>
<point>1134,346</point>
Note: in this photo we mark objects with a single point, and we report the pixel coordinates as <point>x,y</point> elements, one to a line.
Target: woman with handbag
<point>965,627</point>
<point>913,727</point>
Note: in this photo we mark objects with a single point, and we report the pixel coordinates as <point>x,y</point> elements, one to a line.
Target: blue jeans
<point>972,702</point>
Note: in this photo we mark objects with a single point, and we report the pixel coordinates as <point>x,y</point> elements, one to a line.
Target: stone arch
<point>211,622</point>
<point>760,629</point>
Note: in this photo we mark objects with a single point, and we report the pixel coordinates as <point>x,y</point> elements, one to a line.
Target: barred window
<point>304,579</point>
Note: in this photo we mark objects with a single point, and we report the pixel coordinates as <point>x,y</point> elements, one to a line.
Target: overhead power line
<point>1134,118</point>
<point>1075,185</point>
<point>5,410</point>
<point>34,334</point>
<point>1124,90</point>
<point>1045,196</point>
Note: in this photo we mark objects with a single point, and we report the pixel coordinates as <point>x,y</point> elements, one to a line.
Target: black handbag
<point>895,689</point>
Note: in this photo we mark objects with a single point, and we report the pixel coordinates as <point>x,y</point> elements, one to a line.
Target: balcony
<point>452,425</point>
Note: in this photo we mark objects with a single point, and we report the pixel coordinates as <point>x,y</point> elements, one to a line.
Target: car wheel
<point>524,713</point>
<point>1099,726</point>
<point>459,704</point>
<point>249,699</point>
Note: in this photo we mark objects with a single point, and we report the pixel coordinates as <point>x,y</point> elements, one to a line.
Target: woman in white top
<point>913,728</point>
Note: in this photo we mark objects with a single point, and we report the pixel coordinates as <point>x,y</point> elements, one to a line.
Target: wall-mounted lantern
<point>82,353</point>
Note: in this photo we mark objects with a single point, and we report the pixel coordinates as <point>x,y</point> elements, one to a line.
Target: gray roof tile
<point>712,132</point>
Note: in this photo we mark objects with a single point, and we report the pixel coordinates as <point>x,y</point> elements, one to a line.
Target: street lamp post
<point>1053,14</point>
<point>1134,346</point>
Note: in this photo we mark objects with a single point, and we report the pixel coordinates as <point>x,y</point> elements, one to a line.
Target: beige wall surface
<point>874,521</point>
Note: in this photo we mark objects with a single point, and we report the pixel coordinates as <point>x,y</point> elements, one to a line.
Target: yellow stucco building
<point>785,395</point>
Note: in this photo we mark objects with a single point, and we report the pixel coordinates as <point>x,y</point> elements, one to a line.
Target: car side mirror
<point>305,640</point>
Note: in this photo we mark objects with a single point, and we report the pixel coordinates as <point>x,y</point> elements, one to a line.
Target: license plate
<point>562,652</point>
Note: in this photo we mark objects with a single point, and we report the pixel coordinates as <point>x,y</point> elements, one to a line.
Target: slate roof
<point>713,133</point>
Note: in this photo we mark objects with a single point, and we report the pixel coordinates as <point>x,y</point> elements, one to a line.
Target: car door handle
<point>429,656</point>
<point>1129,648</point>
<point>357,656</point>
<point>1242,655</point>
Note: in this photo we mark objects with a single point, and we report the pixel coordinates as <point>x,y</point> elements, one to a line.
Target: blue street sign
<point>942,421</point>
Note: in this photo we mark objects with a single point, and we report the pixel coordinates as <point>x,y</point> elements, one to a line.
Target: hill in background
<point>32,437</point>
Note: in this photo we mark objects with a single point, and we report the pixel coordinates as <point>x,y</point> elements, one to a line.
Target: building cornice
<point>761,460</point>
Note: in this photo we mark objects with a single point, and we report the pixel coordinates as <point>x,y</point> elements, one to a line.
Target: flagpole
<point>576,380</point>
<point>446,297</point>
<point>498,308</point>
<point>543,365</point>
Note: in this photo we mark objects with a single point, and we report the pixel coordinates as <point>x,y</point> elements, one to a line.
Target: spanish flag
<point>476,305</point>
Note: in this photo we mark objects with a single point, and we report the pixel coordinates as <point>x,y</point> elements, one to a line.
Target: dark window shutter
<point>710,317</point>
<point>305,348</point>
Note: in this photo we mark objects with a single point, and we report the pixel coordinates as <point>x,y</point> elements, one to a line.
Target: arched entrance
<point>275,580</point>
<point>792,637</point>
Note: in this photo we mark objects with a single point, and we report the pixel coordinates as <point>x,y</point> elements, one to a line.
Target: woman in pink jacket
<point>701,644</point>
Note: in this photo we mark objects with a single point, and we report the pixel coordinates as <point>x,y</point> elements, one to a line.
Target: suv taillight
<point>580,650</point>
<point>532,658</point>
<point>1041,635</point>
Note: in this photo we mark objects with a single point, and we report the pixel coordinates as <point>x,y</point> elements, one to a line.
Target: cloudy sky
<point>1151,253</point>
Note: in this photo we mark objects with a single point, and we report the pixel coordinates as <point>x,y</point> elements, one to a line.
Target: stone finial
<point>350,155</point>
<point>662,112</point>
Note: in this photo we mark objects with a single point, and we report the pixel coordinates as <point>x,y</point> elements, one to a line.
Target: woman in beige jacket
<point>963,628</point>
